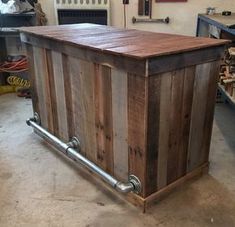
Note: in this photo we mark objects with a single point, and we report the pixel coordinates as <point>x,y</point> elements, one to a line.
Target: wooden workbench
<point>141,103</point>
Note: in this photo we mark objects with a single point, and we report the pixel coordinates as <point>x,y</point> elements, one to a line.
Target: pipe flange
<point>136,183</point>
<point>74,143</point>
<point>37,118</point>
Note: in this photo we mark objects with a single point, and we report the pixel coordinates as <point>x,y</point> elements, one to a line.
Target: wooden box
<point>141,103</point>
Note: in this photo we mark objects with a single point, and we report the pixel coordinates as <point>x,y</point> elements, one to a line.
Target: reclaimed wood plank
<point>60,95</point>
<point>40,83</point>
<point>164,129</point>
<point>120,122</point>
<point>187,100</point>
<point>51,83</point>
<point>198,115</point>
<point>77,116</point>
<point>103,117</point>
<point>137,120</point>
<point>175,125</point>
<point>154,88</point>
<point>210,108</point>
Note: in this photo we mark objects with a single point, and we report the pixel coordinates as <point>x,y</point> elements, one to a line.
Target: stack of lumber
<point>227,75</point>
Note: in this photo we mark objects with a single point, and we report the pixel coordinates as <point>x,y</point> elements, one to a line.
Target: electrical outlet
<point>125,2</point>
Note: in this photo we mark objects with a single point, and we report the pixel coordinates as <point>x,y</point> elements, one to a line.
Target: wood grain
<point>103,117</point>
<point>137,120</point>
<point>60,95</point>
<point>96,36</point>
<point>39,70</point>
<point>120,124</point>
<point>198,115</point>
<point>164,129</point>
<point>175,125</point>
<point>154,95</point>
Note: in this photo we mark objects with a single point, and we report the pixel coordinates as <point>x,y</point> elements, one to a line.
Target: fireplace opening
<point>75,16</point>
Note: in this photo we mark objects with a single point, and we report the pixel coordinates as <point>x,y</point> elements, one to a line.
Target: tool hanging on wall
<point>145,9</point>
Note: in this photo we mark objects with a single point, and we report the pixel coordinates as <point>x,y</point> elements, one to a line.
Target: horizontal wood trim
<point>169,188</point>
<point>178,61</point>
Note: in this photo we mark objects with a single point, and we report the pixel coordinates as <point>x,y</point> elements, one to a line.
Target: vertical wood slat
<point>137,116</point>
<point>198,115</point>
<point>175,125</point>
<point>68,95</point>
<point>82,117</point>
<point>154,95</point>
<point>32,77</point>
<point>60,95</point>
<point>210,107</point>
<point>120,122</point>
<point>51,82</point>
<point>188,84</point>
<point>164,129</point>
<point>43,91</point>
<point>103,117</point>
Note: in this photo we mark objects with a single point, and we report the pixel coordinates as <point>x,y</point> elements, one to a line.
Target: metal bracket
<point>74,143</point>
<point>35,119</point>
<point>136,183</point>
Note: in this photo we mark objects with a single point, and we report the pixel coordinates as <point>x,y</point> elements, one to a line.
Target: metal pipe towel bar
<point>68,149</point>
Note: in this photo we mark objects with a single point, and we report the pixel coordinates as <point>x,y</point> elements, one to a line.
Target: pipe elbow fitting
<point>124,187</point>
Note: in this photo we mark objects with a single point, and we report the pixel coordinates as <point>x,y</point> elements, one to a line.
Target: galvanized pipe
<point>150,20</point>
<point>133,185</point>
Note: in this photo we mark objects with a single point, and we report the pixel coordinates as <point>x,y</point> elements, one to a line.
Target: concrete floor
<point>40,188</point>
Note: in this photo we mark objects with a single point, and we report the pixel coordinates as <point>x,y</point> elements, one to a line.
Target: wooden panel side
<point>120,122</point>
<point>60,95</point>
<point>154,85</point>
<point>103,117</point>
<point>137,118</point>
<point>198,115</point>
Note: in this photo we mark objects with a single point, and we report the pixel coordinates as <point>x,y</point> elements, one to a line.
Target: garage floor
<point>40,188</point>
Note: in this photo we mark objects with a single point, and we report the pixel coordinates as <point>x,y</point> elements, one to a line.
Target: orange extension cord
<point>14,66</point>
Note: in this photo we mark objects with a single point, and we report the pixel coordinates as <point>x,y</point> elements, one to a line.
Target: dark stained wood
<point>71,35</point>
<point>154,95</point>
<point>175,125</point>
<point>137,118</point>
<point>187,99</point>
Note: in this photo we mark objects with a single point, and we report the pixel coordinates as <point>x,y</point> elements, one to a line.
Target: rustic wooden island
<point>140,103</point>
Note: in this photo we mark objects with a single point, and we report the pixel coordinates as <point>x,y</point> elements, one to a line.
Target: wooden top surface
<point>124,42</point>
<point>225,20</point>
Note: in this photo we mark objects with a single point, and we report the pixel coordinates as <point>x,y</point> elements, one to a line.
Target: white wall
<point>183,15</point>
